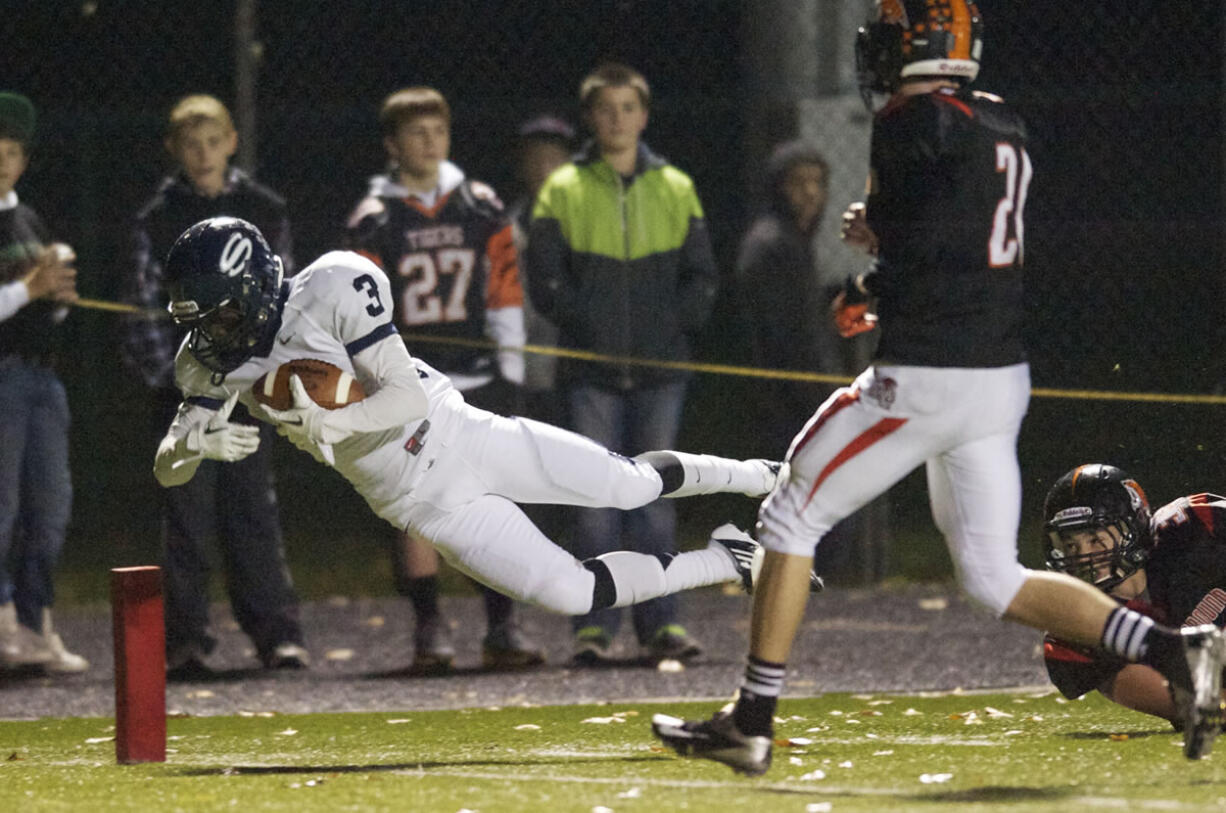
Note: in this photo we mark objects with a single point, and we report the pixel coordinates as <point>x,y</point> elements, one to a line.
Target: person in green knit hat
<point>37,283</point>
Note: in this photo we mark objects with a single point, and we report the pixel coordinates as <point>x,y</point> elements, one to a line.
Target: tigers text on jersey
<point>948,184</point>
<point>452,268</point>
<point>336,308</point>
<point>1186,578</point>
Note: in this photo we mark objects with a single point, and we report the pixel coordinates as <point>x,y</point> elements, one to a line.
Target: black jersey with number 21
<point>948,185</point>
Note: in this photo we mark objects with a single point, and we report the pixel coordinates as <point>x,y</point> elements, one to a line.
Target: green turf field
<point>964,752</point>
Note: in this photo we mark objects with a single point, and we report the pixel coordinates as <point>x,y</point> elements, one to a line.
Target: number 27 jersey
<point>947,190</point>
<point>450,266</point>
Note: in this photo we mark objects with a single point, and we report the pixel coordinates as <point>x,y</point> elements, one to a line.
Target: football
<point>328,385</point>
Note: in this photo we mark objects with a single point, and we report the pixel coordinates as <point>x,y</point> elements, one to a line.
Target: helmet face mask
<point>224,284</point>
<point>1091,553</point>
<point>918,39</point>
<point>1097,526</point>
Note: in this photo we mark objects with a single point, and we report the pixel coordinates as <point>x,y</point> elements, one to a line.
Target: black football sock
<point>754,713</point>
<point>422,593</point>
<point>497,607</point>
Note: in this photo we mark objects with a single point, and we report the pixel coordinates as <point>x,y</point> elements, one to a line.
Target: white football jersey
<point>338,308</point>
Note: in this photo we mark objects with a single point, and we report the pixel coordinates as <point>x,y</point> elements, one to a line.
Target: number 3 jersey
<point>947,186</point>
<point>338,310</point>
<point>452,265</point>
<point>1186,578</point>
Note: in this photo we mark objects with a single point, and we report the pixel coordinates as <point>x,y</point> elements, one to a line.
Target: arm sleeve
<point>362,228</point>
<point>360,308</point>
<point>764,296</point>
<point>149,340</point>
<point>13,297</point>
<point>699,279</point>
<point>550,284</point>
<point>504,304</point>
<point>1076,671</point>
<point>399,400</point>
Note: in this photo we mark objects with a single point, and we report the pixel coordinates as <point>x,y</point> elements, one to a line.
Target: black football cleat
<point>1196,687</point>
<point>717,739</point>
<point>747,556</point>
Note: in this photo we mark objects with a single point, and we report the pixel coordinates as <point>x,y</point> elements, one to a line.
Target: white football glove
<point>306,418</point>
<point>218,439</point>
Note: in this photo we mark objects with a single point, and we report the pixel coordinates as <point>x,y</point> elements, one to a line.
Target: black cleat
<point>433,652</point>
<point>747,556</point>
<point>717,739</point>
<point>773,473</point>
<point>1196,687</point>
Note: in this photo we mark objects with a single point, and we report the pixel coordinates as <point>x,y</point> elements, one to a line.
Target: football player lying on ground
<point>1170,565</point>
<point>421,457</point>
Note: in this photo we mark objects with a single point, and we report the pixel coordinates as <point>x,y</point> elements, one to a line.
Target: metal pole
<point>247,52</point>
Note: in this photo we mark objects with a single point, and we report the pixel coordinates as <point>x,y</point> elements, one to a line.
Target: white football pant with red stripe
<point>962,423</point>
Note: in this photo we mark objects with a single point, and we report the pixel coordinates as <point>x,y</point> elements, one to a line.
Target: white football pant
<point>465,506</point>
<point>962,423</point>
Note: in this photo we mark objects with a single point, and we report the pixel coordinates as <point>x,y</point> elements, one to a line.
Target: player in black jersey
<point>448,249</point>
<point>1170,566</point>
<point>948,387</point>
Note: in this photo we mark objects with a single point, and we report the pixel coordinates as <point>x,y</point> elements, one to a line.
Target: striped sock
<point>1128,634</point>
<point>755,706</point>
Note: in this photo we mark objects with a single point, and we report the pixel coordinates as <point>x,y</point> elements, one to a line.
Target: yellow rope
<point>723,369</point>
<point>102,305</point>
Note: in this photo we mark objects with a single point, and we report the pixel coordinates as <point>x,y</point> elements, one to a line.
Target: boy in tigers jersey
<point>446,245</point>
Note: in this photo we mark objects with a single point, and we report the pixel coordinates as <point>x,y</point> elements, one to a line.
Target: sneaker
<point>716,739</point>
<point>672,642</point>
<point>20,645</point>
<point>433,652</point>
<point>62,661</point>
<point>286,655</point>
<point>506,646</point>
<point>774,472</point>
<point>747,556</point>
<point>186,663</point>
<point>1196,686</point>
<point>592,646</point>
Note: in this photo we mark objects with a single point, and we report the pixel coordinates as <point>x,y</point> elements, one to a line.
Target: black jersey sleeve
<point>1075,670</point>
<point>1187,567</point>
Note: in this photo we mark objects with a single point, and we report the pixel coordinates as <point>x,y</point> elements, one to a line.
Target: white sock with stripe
<point>687,475</point>
<point>639,577</point>
<point>1126,634</point>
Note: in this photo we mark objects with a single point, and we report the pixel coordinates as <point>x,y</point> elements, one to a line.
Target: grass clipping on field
<point>839,752</point>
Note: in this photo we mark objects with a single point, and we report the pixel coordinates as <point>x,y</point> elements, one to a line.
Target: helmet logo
<point>1077,512</point>
<point>234,256</point>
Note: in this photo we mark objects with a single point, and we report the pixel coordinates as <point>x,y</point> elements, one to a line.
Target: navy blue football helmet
<point>224,283</point>
<point>1090,498</point>
<point>918,39</point>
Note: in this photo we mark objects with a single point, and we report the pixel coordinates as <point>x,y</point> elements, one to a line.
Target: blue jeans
<point>234,504</point>
<point>35,485</point>
<point>628,422</point>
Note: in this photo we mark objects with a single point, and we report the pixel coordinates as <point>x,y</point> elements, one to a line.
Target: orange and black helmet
<point>1088,498</point>
<point>908,39</point>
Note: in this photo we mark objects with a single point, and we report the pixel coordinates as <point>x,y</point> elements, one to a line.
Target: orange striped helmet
<point>1092,497</point>
<point>919,38</point>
